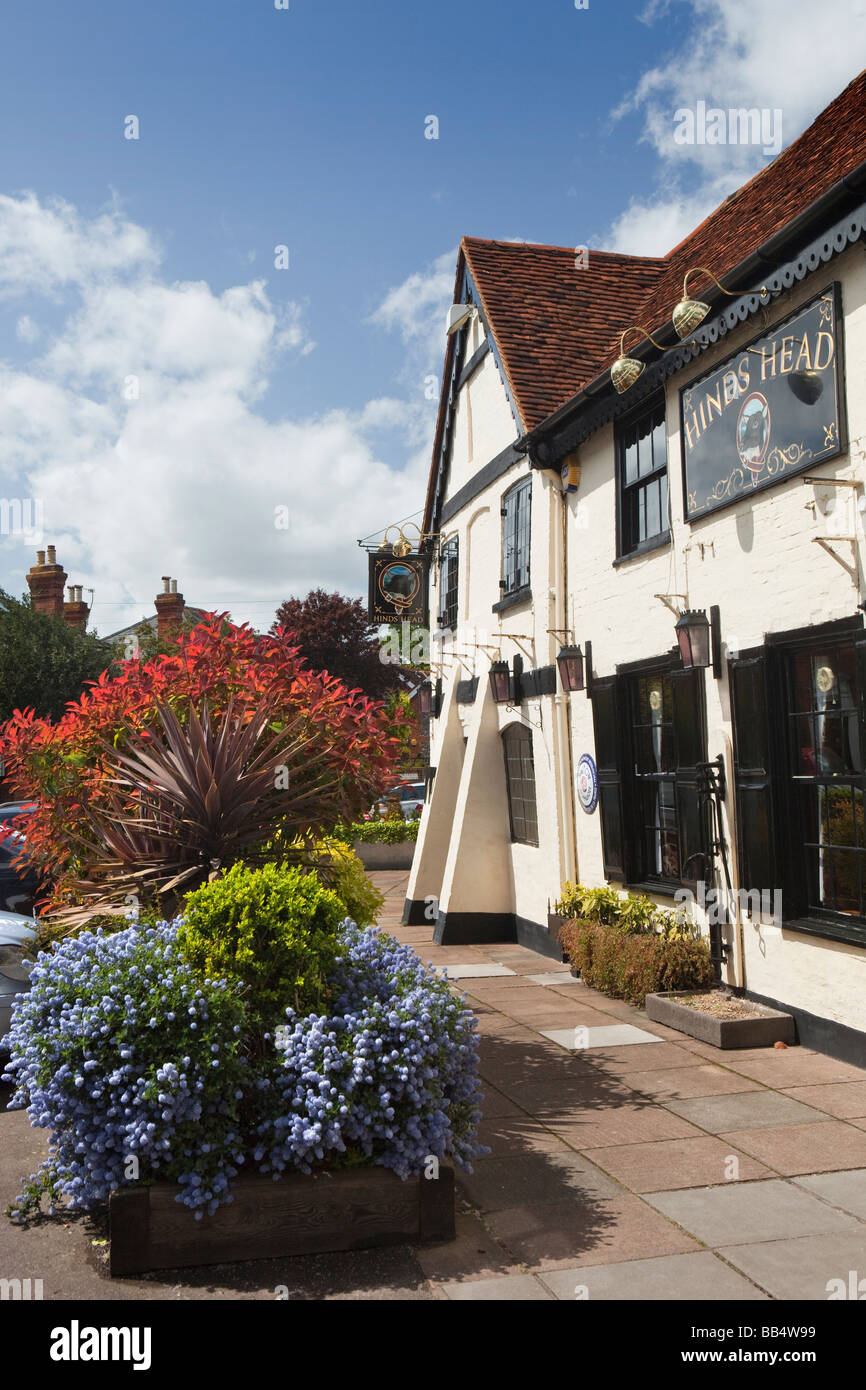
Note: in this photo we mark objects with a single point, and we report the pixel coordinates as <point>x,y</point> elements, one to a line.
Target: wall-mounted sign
<point>398,589</point>
<point>773,409</point>
<point>587,783</point>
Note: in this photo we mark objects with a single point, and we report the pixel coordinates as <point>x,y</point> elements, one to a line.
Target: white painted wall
<point>756,560</point>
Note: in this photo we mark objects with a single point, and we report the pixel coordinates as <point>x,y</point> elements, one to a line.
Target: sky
<point>227,248</point>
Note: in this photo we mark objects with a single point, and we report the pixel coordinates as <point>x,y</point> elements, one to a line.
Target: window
<point>642,480</point>
<point>801,778</point>
<point>516,538</point>
<point>826,751</point>
<point>448,571</point>
<point>650,738</point>
<point>520,781</point>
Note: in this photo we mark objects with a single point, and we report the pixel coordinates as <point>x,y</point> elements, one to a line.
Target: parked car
<point>18,887</point>
<point>16,937</point>
<point>410,796</point>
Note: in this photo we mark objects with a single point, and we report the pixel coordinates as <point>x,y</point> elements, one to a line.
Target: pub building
<point>646,504</point>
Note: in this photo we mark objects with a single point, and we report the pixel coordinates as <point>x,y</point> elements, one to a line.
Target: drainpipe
<point>562,710</point>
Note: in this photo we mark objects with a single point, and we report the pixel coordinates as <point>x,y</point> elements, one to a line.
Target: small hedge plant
<point>378,832</point>
<point>631,965</point>
<point>272,930</point>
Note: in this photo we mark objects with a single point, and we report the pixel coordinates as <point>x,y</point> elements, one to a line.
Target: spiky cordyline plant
<point>179,808</point>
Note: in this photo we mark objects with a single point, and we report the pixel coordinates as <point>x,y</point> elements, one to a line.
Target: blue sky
<point>304,387</point>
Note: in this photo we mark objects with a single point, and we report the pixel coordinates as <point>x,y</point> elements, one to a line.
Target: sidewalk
<point>645,1166</point>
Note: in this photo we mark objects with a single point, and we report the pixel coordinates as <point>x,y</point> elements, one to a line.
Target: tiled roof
<point>557,327</point>
<point>833,146</point>
<point>552,321</point>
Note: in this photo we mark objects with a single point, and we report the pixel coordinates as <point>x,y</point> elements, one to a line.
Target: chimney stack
<point>169,609</point>
<point>45,582</point>
<point>75,610</point>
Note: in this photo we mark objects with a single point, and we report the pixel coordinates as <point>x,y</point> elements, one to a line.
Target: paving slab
<point>845,1190</point>
<point>512,1288</point>
<point>600,1126</point>
<point>466,971</point>
<point>792,1066</point>
<point>744,1110</point>
<point>700,1276</point>
<point>844,1099</point>
<point>473,1255</point>
<point>538,1178</point>
<point>561,1234</point>
<point>683,1083</point>
<point>582,1039</point>
<point>675,1163</point>
<point>811,1148</point>
<point>554,977</point>
<point>772,1210</point>
<point>655,1056</point>
<point>518,1134</point>
<point>804,1267</point>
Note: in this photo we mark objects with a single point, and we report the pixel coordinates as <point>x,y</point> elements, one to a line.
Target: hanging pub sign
<point>398,589</point>
<point>773,409</point>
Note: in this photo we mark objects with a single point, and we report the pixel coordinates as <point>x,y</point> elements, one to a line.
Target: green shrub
<point>378,832</point>
<point>339,868</point>
<point>628,912</point>
<point>632,965</point>
<point>273,931</point>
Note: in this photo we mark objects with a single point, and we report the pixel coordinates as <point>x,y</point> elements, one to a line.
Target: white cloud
<point>787,55</point>
<point>26,331</point>
<point>416,310</point>
<point>50,246</point>
<point>138,428</point>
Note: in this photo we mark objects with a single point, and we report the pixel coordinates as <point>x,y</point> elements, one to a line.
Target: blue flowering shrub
<point>390,1074</point>
<point>126,1051</point>
<point>135,1064</point>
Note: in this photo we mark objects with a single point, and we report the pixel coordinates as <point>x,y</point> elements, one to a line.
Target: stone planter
<point>350,1209</point>
<point>381,856</point>
<point>762,1028</point>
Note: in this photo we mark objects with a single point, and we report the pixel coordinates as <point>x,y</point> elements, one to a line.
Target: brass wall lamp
<point>687,315</point>
<point>626,370</point>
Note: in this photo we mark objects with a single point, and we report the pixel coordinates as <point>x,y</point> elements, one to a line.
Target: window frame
<point>614,726</point>
<point>628,494</point>
<point>518,536</point>
<point>449,565</point>
<point>522,803</point>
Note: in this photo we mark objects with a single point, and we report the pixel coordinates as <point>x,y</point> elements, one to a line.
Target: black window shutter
<point>690,748</point>
<point>755,820</point>
<point>607,756</point>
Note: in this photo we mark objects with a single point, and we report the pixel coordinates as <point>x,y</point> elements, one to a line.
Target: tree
<point>44,663</point>
<point>345,742</point>
<point>334,634</point>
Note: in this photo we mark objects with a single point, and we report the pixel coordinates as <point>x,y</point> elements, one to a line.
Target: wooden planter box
<point>762,1028</point>
<point>352,1209</point>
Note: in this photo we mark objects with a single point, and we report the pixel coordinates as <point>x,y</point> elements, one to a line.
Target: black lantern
<point>500,682</point>
<point>570,663</point>
<point>425,698</point>
<point>693,635</point>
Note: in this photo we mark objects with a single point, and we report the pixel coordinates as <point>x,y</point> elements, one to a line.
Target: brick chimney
<point>75,610</point>
<point>45,581</point>
<point>169,609</point>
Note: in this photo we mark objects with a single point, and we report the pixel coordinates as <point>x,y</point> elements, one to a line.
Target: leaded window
<point>642,480</point>
<point>516,536</point>
<point>520,782</point>
<point>448,573</point>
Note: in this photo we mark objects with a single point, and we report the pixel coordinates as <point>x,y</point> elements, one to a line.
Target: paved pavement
<point>639,1165</point>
